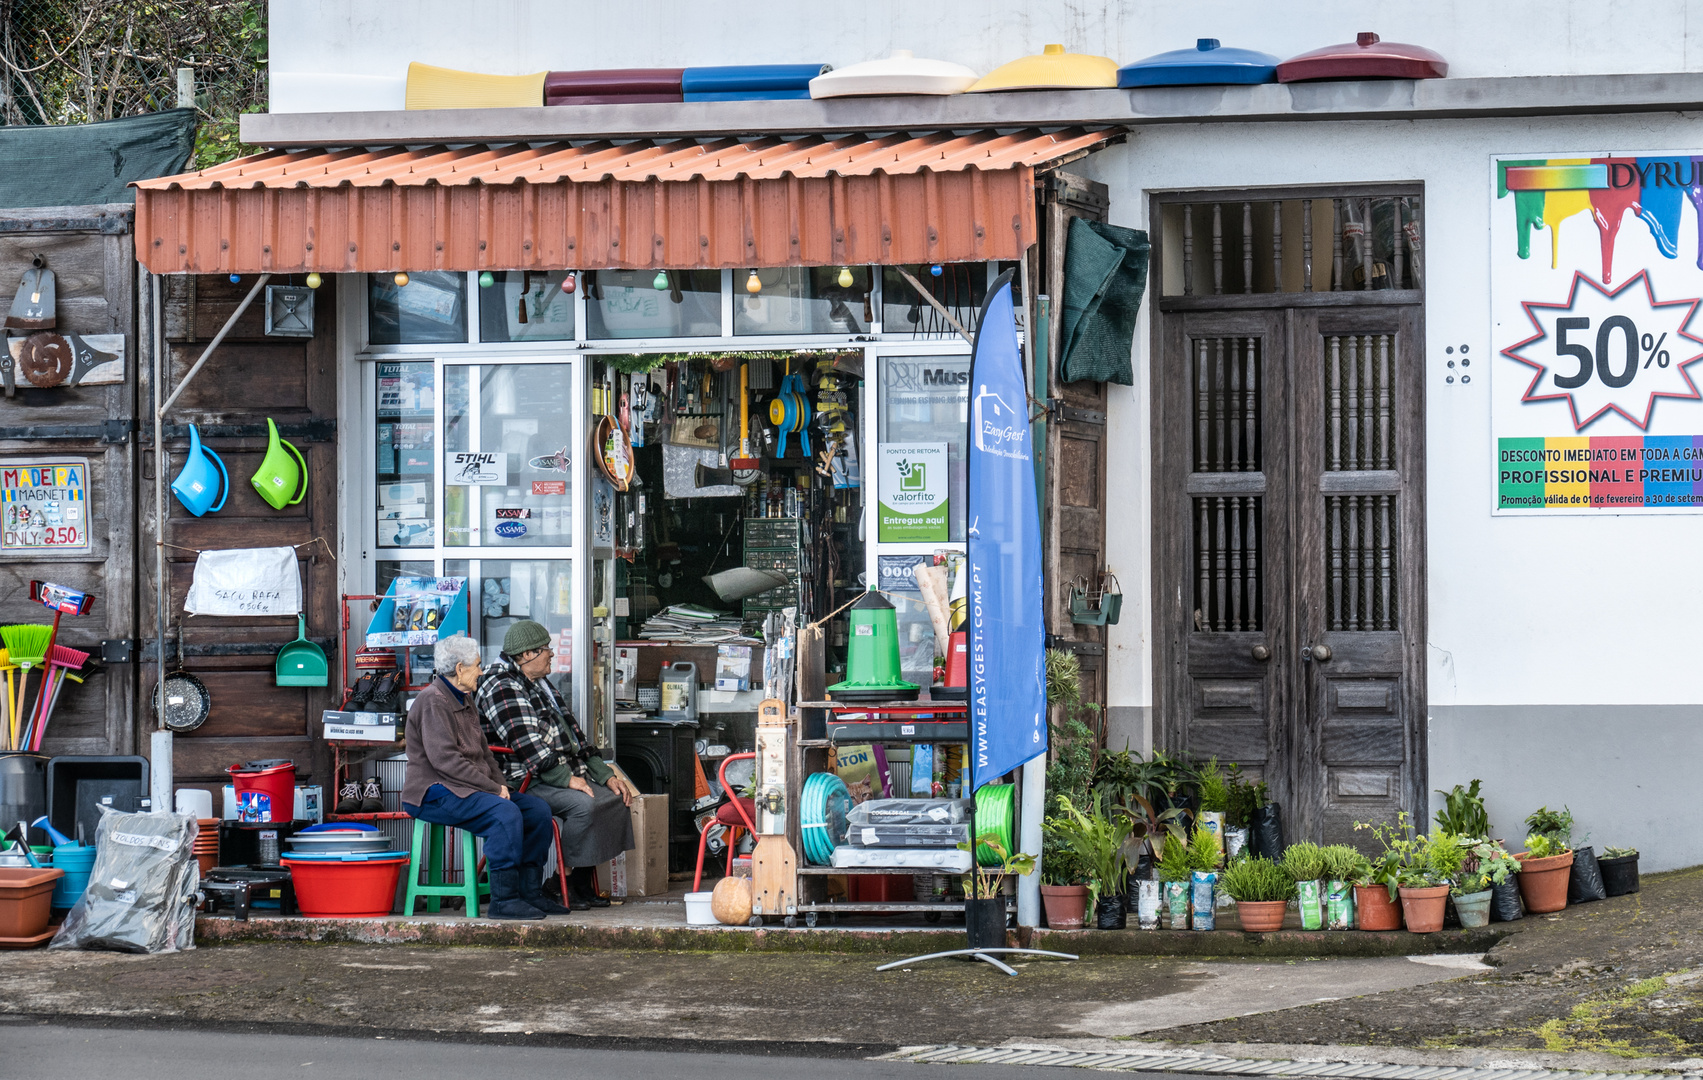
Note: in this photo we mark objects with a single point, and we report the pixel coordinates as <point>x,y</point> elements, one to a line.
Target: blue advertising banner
<point>1007,638</point>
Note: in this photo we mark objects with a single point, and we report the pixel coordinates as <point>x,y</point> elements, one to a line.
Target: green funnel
<point>872,657</point>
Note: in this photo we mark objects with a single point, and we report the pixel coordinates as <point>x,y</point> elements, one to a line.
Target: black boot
<point>532,891</point>
<point>506,901</point>
<point>581,890</point>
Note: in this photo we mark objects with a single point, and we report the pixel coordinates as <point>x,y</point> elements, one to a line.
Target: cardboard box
<point>642,871</point>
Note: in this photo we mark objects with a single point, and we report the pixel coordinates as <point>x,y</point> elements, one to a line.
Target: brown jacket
<point>447,746</point>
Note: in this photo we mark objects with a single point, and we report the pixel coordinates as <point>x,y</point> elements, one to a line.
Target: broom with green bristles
<point>26,646</point>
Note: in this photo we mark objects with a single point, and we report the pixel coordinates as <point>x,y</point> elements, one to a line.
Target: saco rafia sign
<point>912,492</point>
<point>1595,284</point>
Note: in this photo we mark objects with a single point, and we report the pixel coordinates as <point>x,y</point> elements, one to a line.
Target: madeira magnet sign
<point>1596,277</point>
<point>44,506</point>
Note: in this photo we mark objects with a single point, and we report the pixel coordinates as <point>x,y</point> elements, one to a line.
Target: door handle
<point>1321,653</point>
<point>1261,653</point>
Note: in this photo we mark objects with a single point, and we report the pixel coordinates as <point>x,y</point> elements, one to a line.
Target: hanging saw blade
<point>49,360</point>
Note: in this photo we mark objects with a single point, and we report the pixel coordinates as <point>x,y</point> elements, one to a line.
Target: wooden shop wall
<point>90,251</point>
<point>250,378</point>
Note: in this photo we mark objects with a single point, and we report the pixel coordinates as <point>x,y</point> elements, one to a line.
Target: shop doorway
<point>1289,547</point>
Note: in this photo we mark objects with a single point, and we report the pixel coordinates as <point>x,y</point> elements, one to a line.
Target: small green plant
<point>1060,864</point>
<point>1401,855</point>
<point>1203,851</point>
<point>1244,799</point>
<point>1487,863</point>
<point>1445,855</point>
<point>1098,840</point>
<point>1256,880</point>
<point>989,881</point>
<point>1304,861</point>
<point>1174,859</point>
<point>1618,852</point>
<point>1343,863</point>
<point>1541,846</point>
<point>1214,789</point>
<point>1556,825</point>
<point>1463,811</point>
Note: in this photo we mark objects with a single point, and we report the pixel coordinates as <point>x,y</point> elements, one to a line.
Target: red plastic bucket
<point>332,889</point>
<point>265,790</point>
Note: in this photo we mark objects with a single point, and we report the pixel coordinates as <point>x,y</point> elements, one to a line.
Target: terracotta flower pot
<point>1543,882</point>
<point>1423,907</point>
<point>1375,908</point>
<point>1261,916</point>
<point>1067,905</point>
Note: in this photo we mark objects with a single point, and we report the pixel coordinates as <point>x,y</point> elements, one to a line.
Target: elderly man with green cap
<point>520,709</point>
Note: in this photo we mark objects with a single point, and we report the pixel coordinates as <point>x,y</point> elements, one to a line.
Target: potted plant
<point>1376,890</point>
<point>1429,876</point>
<point>1174,882</point>
<point>1463,812</point>
<point>984,908</point>
<point>1064,882</point>
<point>1544,870</point>
<point>1148,827</point>
<point>1486,866</point>
<point>1214,801</point>
<point>1098,840</point>
<point>1305,862</point>
<point>1203,860</point>
<point>1619,866</point>
<point>1239,813</point>
<point>1261,889</point>
<point>1343,866</point>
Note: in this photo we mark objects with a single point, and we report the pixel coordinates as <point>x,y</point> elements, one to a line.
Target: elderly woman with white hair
<point>453,779</point>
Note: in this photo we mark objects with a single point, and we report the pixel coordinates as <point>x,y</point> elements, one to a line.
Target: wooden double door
<point>1289,551</point>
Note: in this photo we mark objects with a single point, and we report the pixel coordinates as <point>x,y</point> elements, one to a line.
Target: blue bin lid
<point>1207,63</point>
<point>339,826</point>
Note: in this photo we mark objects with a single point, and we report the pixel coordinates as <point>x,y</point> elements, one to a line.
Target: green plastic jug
<point>282,476</point>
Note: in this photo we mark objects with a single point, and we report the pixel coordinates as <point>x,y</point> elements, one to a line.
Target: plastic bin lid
<point>1051,69</point>
<point>900,73</point>
<point>1366,57</point>
<point>1205,64</point>
<point>339,826</point>
<point>340,856</point>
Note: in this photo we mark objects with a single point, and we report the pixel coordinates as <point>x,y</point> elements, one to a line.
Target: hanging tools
<point>745,467</point>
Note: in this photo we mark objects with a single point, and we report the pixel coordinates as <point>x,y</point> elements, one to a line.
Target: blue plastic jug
<point>202,475</point>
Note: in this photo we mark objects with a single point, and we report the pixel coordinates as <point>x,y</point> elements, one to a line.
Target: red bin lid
<point>1367,57</point>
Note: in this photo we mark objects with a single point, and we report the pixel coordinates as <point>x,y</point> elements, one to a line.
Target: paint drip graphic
<point>1548,192</point>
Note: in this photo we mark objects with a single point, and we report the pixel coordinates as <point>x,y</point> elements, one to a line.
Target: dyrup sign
<point>1596,276</point>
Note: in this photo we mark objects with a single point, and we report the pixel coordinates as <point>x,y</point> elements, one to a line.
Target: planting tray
<point>32,942</point>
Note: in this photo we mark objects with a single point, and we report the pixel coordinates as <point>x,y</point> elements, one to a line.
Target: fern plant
<point>1214,790</point>
<point>1174,859</point>
<point>1203,853</point>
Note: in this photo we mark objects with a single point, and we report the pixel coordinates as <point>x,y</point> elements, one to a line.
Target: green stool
<point>468,888</point>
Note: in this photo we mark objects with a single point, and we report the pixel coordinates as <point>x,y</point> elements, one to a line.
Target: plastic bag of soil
<point>1176,904</point>
<point>1203,890</point>
<point>1109,912</point>
<point>141,893</point>
<point>1265,832</point>
<point>1505,905</point>
<point>1147,904</point>
<point>1585,882</point>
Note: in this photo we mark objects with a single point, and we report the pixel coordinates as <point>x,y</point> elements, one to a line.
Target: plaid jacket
<point>527,717</point>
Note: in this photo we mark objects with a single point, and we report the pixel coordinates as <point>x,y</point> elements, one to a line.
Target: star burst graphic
<point>1608,351</point>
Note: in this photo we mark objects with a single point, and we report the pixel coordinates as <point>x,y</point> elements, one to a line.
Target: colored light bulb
<point>753,284</point>
<point>487,279</point>
<point>937,269</point>
<point>314,281</point>
<point>235,278</point>
<point>845,278</point>
<point>401,278</point>
<point>568,284</point>
<point>660,282</point>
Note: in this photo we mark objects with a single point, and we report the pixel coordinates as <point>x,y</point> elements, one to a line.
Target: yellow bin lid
<point>1053,69</point>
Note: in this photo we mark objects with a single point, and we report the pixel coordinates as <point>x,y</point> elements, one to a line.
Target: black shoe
<point>349,798</point>
<point>580,889</point>
<point>532,891</point>
<point>506,901</point>
<point>372,797</point>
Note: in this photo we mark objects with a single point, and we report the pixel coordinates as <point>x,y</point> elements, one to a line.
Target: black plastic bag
<point>1109,913</point>
<point>1505,905</point>
<point>1584,884</point>
<point>1265,832</point>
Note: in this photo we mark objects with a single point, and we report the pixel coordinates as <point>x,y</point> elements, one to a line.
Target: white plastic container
<point>679,683</point>
<point>698,911</point>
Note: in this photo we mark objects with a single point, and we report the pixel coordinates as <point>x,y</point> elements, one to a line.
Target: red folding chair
<point>555,828</point>
<point>738,812</point>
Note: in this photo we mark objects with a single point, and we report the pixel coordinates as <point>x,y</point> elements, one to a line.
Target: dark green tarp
<point>85,164</point>
<point>1105,275</point>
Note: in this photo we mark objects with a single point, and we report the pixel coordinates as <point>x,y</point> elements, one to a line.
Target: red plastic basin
<point>345,890</point>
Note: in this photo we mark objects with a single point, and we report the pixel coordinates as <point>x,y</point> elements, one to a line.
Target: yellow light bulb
<point>753,284</point>
<point>845,277</point>
<point>314,281</point>
<point>401,278</point>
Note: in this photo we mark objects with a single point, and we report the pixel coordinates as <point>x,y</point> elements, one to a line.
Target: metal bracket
<point>118,650</point>
<point>111,432</point>
<point>1081,648</point>
<point>106,224</point>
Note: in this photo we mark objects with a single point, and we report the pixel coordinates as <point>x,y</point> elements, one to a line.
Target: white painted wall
<point>354,54</point>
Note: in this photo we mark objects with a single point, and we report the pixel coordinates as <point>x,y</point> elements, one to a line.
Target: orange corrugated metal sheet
<point>637,205</point>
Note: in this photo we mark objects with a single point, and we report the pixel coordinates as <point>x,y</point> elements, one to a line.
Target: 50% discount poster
<point>1596,279</point>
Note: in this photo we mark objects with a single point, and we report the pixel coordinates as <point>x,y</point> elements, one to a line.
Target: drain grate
<point>1217,1064</point>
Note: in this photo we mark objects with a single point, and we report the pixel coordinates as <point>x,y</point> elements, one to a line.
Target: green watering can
<point>282,476</point>
<point>301,662</point>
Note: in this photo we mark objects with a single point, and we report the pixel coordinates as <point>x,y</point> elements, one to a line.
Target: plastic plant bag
<point>1585,882</point>
<point>1203,885</point>
<point>141,893</point>
<point>1267,832</point>
<point>1312,914</point>
<point>1339,905</point>
<point>1176,904</point>
<point>1109,912</point>
<point>1147,904</point>
<point>1235,841</point>
<point>1505,905</point>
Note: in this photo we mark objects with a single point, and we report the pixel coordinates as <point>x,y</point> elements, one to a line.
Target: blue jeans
<point>516,829</point>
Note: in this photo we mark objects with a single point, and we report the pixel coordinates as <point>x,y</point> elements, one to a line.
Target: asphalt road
<point>33,1050</point>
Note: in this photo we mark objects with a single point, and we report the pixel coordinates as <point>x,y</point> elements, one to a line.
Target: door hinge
<point>111,432</point>
<point>118,650</point>
<point>1081,648</point>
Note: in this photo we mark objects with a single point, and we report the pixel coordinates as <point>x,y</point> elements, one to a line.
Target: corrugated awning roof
<point>677,205</point>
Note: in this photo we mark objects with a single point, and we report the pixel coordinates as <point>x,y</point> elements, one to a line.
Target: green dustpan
<point>301,662</point>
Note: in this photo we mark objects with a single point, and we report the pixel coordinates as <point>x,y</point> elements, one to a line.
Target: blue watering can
<point>59,839</point>
<point>197,481</point>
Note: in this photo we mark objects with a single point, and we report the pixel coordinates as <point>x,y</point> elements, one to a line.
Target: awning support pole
<point>937,305</point>
<point>213,345</point>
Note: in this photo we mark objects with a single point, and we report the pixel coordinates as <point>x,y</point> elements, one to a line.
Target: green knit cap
<point>524,636</point>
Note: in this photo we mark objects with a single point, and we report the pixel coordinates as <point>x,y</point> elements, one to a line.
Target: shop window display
<point>525,305</point>
<point>926,399</point>
<point>425,308</point>
<point>803,300</point>
<point>508,435</point>
<point>653,303</point>
<point>406,433</point>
